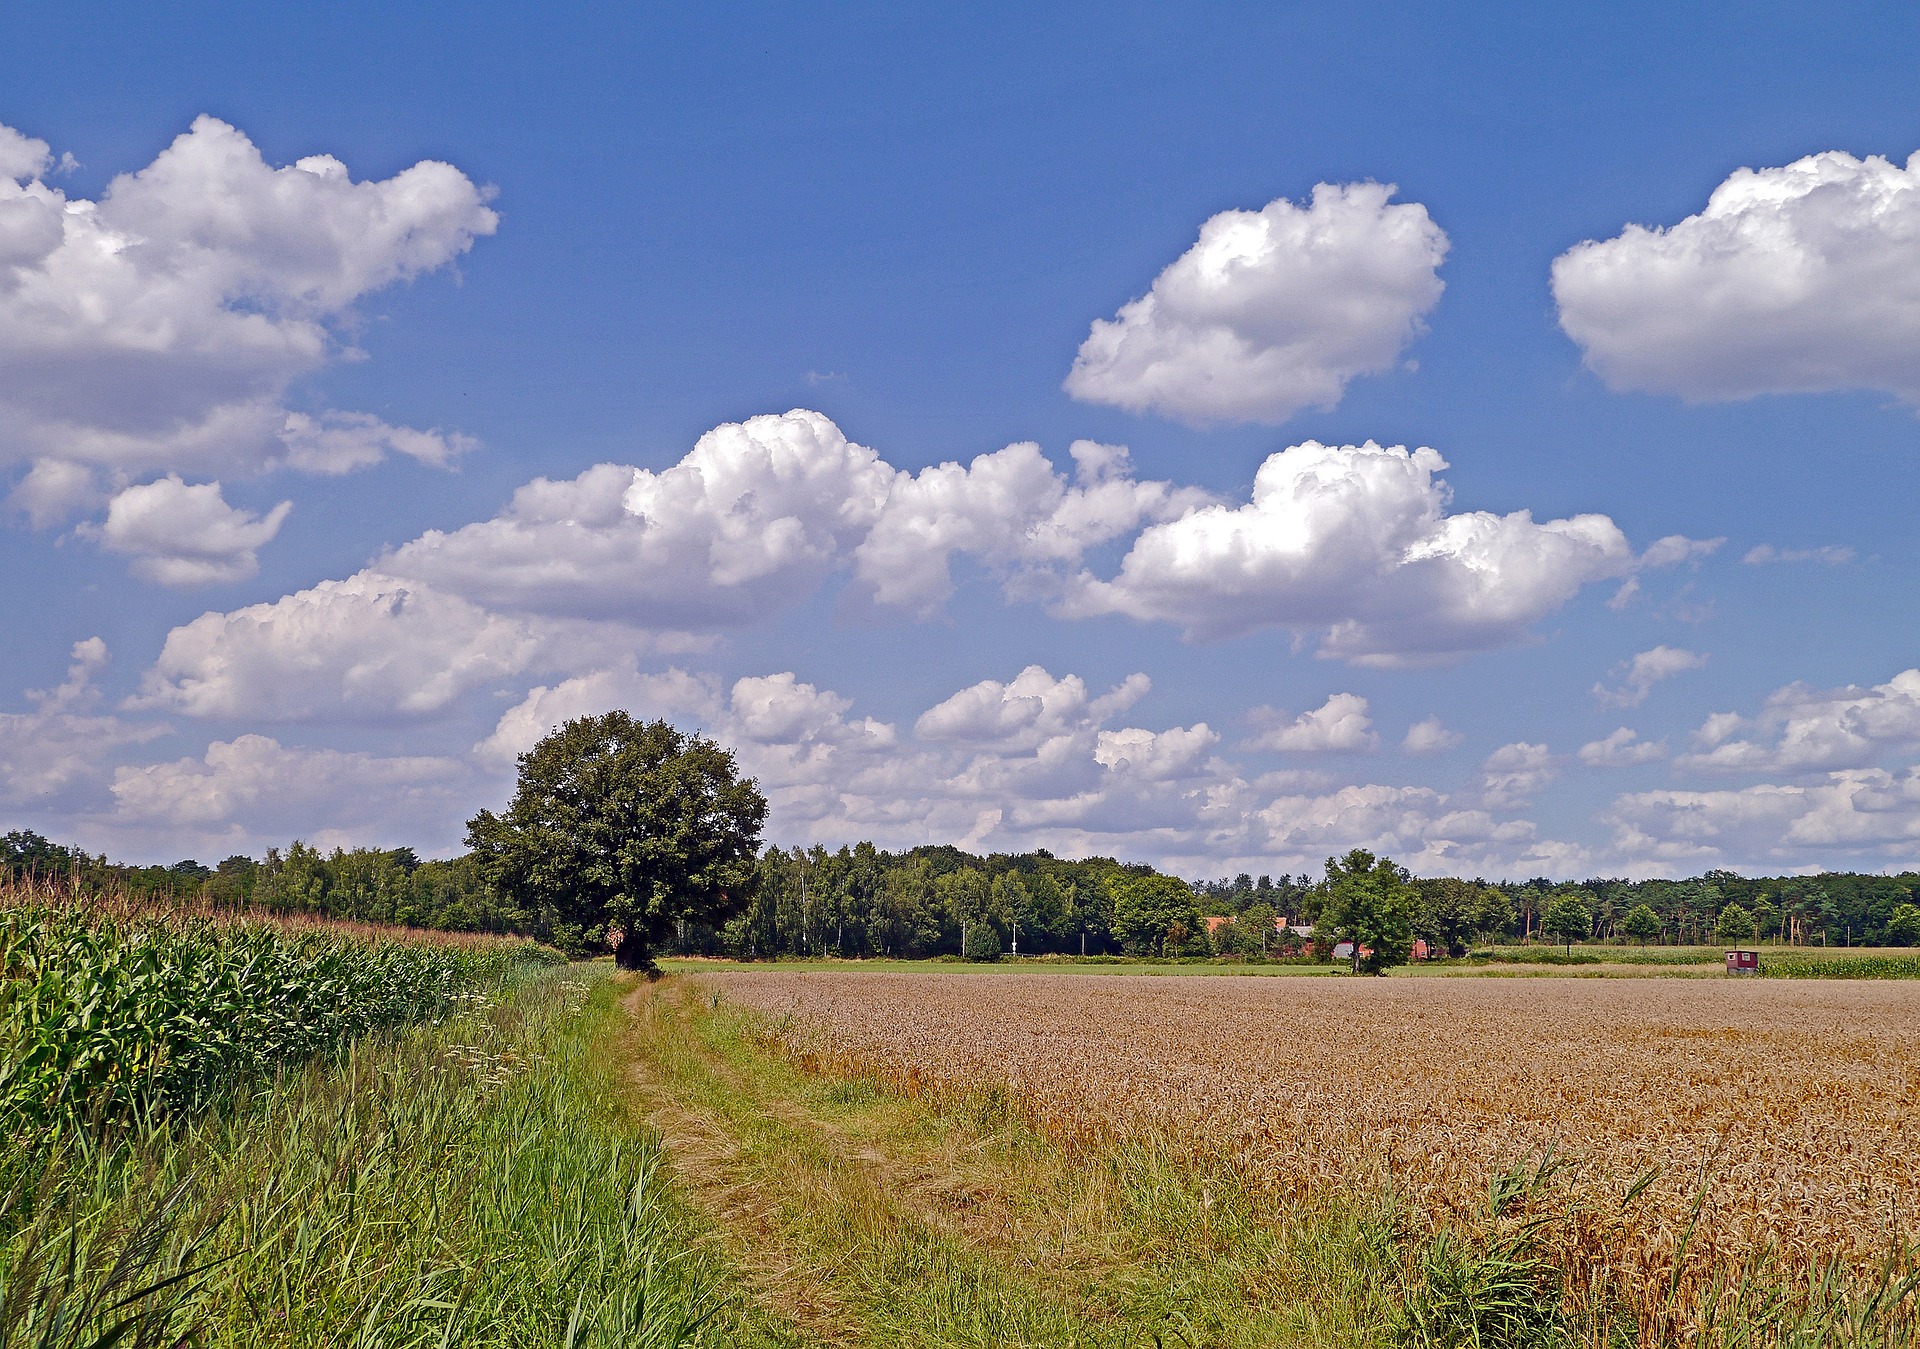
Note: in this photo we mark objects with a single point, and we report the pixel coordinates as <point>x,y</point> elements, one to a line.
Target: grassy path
<point>486,1181</point>
<point>861,1217</point>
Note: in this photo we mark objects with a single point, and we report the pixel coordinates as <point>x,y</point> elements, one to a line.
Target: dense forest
<point>863,901</point>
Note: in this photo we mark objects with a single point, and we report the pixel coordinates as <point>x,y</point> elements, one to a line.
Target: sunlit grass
<point>481,1181</point>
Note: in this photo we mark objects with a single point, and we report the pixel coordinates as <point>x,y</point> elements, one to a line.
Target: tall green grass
<point>476,1182</point>
<point>109,1013</point>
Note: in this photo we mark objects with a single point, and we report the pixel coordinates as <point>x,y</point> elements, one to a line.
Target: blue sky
<point>634,229</point>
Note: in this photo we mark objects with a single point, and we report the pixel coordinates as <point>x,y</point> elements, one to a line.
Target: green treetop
<point>1735,925</point>
<point>620,830</point>
<point>1568,918</point>
<point>1371,902</point>
<point>1641,923</point>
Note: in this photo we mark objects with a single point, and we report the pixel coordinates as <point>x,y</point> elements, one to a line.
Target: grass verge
<point>480,1181</point>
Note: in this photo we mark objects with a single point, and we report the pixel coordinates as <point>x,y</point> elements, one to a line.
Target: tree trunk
<point>632,954</point>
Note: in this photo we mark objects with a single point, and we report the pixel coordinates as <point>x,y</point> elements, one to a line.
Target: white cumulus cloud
<point>187,535</point>
<point>1621,749</point>
<point>1867,812</point>
<point>160,328</point>
<point>755,516</point>
<point>1356,542</point>
<point>253,792</point>
<point>22,157</point>
<point>339,442</point>
<point>1636,677</point>
<point>1035,761</point>
<point>1353,542</point>
<point>1793,280</point>
<point>760,513</point>
<point>1010,511</point>
<point>1430,736</point>
<point>1340,725</point>
<point>370,646</point>
<point>1155,755</point>
<point>1802,729</point>
<point>1025,711</point>
<point>1271,311</point>
<point>1514,773</point>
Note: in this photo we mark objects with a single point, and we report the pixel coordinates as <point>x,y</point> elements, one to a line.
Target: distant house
<point>1213,922</point>
<point>1344,950</point>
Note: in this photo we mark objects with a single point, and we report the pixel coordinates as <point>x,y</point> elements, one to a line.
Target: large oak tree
<point>620,830</point>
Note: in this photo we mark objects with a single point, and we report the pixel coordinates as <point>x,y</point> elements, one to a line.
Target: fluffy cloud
<point>1622,749</point>
<point>672,694</point>
<point>1035,761</point>
<point>1832,554</point>
<point>1430,736</point>
<point>1638,676</point>
<point>339,442</point>
<point>1418,826</point>
<point>1807,730</point>
<point>253,792</point>
<point>1010,511</point>
<point>181,535</point>
<point>1514,773</point>
<point>751,520</point>
<point>370,646</point>
<point>160,327</point>
<point>1866,811</point>
<point>1792,280</point>
<point>793,737</point>
<point>1339,725</point>
<point>1155,755</point>
<point>51,755</point>
<point>1026,711</point>
<point>1355,541</point>
<point>22,158</point>
<point>1271,311</point>
<point>760,514</point>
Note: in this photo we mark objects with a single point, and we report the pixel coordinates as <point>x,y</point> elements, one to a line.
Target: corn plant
<point>113,1015</point>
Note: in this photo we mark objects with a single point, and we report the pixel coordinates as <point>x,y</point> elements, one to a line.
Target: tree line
<point>864,901</point>
<point>635,838</point>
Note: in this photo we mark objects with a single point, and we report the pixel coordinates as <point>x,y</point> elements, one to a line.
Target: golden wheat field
<point>1784,1113</point>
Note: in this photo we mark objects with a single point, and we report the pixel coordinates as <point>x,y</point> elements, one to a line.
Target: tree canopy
<point>1735,925</point>
<point>1154,914</point>
<point>1371,902</point>
<point>1641,923</point>
<point>619,831</point>
<point>1568,918</point>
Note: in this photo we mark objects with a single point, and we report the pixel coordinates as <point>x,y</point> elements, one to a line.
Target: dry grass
<point>1776,1121</point>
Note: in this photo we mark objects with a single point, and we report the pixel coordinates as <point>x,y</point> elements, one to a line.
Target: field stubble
<point>1708,1130</point>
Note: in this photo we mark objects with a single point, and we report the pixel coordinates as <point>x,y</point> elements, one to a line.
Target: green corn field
<point>107,1013</point>
<point>227,1131</point>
